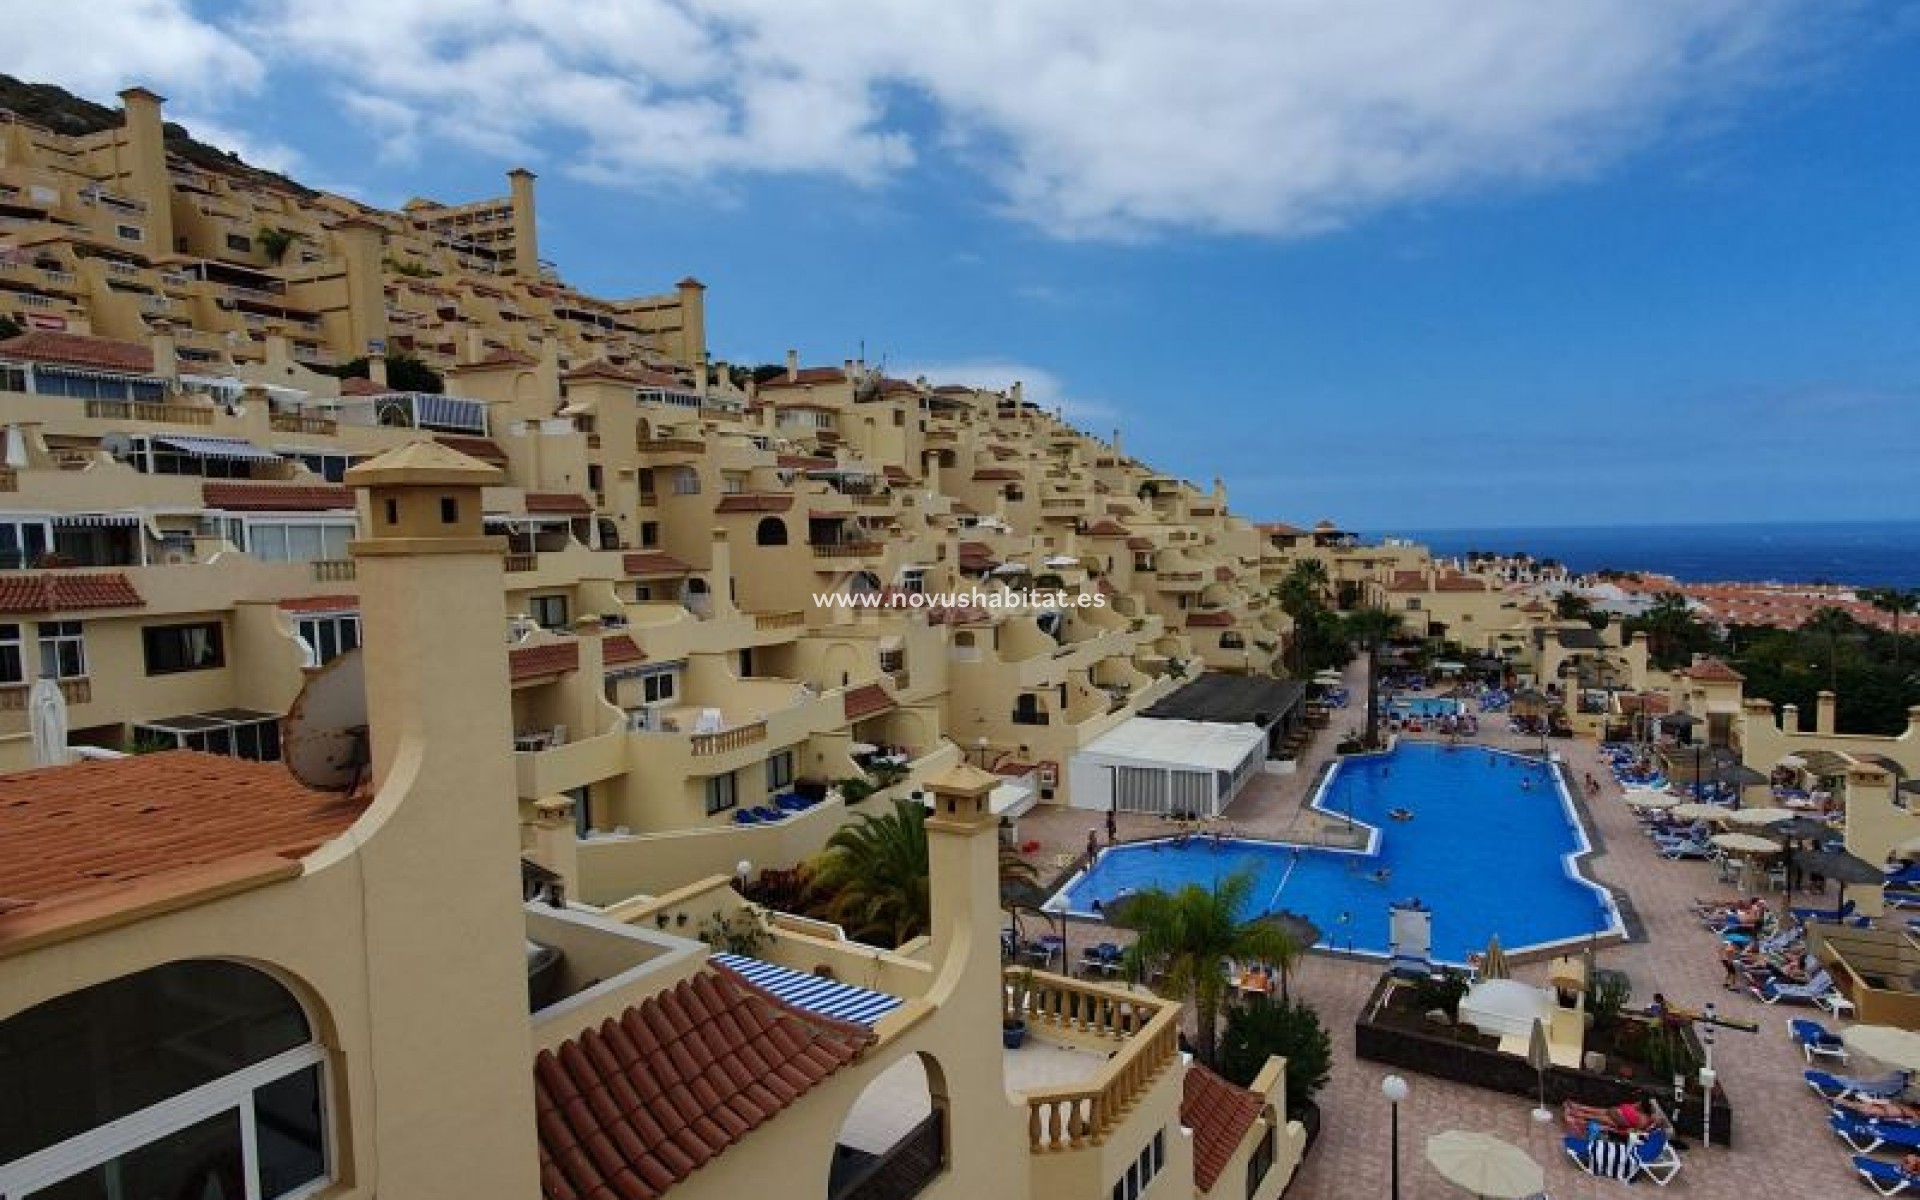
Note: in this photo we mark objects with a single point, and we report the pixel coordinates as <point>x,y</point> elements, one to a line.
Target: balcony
<point>13,696</point>
<point>300,423</point>
<point>515,564</point>
<point>1126,1040</point>
<point>334,570</point>
<point>785,620</point>
<point>706,745</point>
<point>669,445</point>
<point>846,549</point>
<point>135,410</point>
<point>9,479</point>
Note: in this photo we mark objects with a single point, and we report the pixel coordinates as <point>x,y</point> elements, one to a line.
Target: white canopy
<point>1149,740</point>
<point>1506,1006</point>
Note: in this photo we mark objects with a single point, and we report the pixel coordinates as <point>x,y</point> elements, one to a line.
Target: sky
<point>1404,263</point>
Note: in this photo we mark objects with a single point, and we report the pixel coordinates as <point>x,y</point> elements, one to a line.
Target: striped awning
<point>823,997</point>
<point>449,412</point>
<point>95,520</point>
<point>232,449</point>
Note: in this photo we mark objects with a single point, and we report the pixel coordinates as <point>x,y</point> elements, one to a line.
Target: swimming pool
<point>1490,849</point>
<point>1425,706</point>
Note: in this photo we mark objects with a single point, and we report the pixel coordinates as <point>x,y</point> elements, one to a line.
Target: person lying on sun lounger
<point>1636,1116</point>
<point>1876,1109</point>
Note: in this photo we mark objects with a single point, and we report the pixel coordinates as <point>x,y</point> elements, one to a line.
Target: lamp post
<point>741,870</point>
<point>1707,1076</point>
<point>1394,1089</point>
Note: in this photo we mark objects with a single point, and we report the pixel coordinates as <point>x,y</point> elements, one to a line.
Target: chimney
<point>702,378</point>
<point>846,368</point>
<point>359,243</point>
<point>166,361</point>
<point>720,574</point>
<point>693,320</point>
<point>526,236</point>
<point>1823,720</point>
<point>1019,394</point>
<point>1913,722</point>
<point>1117,451</point>
<point>963,872</point>
<point>279,350</point>
<point>377,369</point>
<point>476,343</point>
<point>753,389</point>
<point>590,715</point>
<point>145,170</point>
<point>793,366</point>
<point>555,845</point>
<point>1790,718</point>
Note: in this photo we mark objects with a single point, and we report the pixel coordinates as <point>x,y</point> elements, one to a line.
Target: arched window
<point>771,531</point>
<point>209,1068</point>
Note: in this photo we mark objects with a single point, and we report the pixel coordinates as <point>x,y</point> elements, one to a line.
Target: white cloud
<point>265,154</point>
<point>1271,117</point>
<point>1037,384</point>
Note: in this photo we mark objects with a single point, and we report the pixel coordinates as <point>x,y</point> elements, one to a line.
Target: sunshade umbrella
<point>1895,1047</point>
<point>1700,810</point>
<point>1679,720</point>
<point>47,720</point>
<point>1792,761</point>
<point>1540,1058</point>
<point>1329,677</point>
<point>1760,818</point>
<point>1493,964</point>
<point>1839,866</point>
<point>1529,703</point>
<point>1745,843</point>
<point>1800,828</point>
<point>1011,568</point>
<point>1300,929</point>
<point>1484,1165</point>
<point>1653,799</point>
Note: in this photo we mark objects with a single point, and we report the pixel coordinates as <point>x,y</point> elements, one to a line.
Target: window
<point>23,543</point>
<point>1141,1172</point>
<point>721,793</point>
<point>328,466</point>
<point>13,665</point>
<point>1260,1163</point>
<point>299,541</point>
<point>549,611</point>
<point>779,770</point>
<point>215,733</point>
<point>771,531</point>
<point>328,636</point>
<point>63,650</point>
<point>196,1078</point>
<point>174,648</point>
<point>913,581</point>
<point>686,481</point>
<point>658,687</point>
<point>649,533</point>
<point>128,233</point>
<point>240,242</point>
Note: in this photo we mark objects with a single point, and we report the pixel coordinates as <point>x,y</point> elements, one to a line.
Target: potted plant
<point>1013,1024</point>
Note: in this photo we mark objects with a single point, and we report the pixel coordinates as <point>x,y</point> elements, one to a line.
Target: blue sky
<point>1435,263</point>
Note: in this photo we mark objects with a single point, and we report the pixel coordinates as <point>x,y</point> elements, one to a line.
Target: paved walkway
<point>1785,1148</point>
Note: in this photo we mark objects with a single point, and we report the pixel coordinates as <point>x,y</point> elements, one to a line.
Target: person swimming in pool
<point>1381,875</point>
<point>1400,814</point>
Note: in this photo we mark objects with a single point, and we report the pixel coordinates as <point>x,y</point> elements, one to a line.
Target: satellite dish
<point>323,737</point>
<point>117,444</point>
<point>236,408</point>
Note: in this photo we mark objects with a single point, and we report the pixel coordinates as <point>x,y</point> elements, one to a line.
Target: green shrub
<point>1607,996</point>
<point>1292,1030</point>
<point>853,790</point>
<point>1443,991</point>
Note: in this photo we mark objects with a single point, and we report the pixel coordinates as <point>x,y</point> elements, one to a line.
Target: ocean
<point>1860,553</point>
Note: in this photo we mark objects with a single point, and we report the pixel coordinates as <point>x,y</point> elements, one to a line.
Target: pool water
<point>1489,849</point>
<point>1425,706</point>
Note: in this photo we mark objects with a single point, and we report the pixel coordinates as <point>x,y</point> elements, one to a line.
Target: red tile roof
<point>1220,1115</point>
<point>867,700</point>
<point>274,497</point>
<point>1209,620</point>
<point>1107,527</point>
<point>600,368</point>
<point>1712,670</point>
<point>1652,703</point>
<point>629,1109</point>
<point>83,842</point>
<point>535,662</point>
<point>1140,543</point>
<point>996,475</point>
<point>1223,575</point>
<point>79,350</point>
<point>485,449</point>
<point>559,504</point>
<point>66,591</point>
<point>803,462</point>
<point>895,474</point>
<point>619,650</point>
<point>804,376</point>
<point>749,502</point>
<point>320,604</point>
<point>652,562</point>
<point>358,386</point>
<point>1281,529</point>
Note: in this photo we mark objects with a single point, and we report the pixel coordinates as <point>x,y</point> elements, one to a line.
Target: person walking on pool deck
<point>1093,847</point>
<point>1113,828</point>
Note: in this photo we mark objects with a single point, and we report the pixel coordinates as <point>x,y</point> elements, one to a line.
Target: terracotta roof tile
<point>320,604</point>
<point>498,357</point>
<point>867,700</point>
<point>895,474</point>
<point>627,1110</point>
<point>79,350</point>
<point>534,662</point>
<point>1140,543</point>
<point>600,368</point>
<point>804,376</point>
<point>620,650</point>
<point>1220,1115</point>
<point>1106,527</point>
<point>1210,620</point>
<point>358,386</point>
<point>1712,670</point>
<point>652,562</point>
<point>750,502</point>
<point>274,497</point>
<point>1223,574</point>
<point>803,462</point>
<point>485,449</point>
<point>1280,529</point>
<point>106,836</point>
<point>559,504</point>
<point>66,591</point>
<point>996,475</point>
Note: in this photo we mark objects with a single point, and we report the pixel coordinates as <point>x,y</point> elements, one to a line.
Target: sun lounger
<point>1813,1038</point>
<point>1687,849</point>
<point>1884,1177</point>
<point>1867,1136</point>
<point>1810,992</point>
<point>1833,1087</point>
<point>1651,1155</point>
<point>1823,914</point>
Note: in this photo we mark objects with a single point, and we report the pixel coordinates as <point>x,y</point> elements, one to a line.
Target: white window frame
<point>310,638</point>
<point>104,1143</point>
<point>61,636</point>
<point>711,785</point>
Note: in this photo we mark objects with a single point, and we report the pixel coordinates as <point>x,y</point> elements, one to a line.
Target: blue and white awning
<point>811,993</point>
<point>218,447</point>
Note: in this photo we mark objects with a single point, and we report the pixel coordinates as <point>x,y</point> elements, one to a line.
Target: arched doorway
<point>771,531</point>
<point>894,1140</point>
<point>214,1065</point>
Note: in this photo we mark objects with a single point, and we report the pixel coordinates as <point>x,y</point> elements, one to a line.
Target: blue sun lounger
<point>1833,1087</point>
<point>1884,1177</point>
<point>1866,1136</point>
<point>1814,1038</point>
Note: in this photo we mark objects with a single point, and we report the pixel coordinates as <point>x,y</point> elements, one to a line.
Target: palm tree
<point>1570,605</point>
<point>1187,933</point>
<point>1899,602</point>
<point>872,876</point>
<point>1370,628</point>
<point>1305,587</point>
<point>1671,629</point>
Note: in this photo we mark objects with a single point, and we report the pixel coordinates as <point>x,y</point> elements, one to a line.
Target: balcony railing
<point>785,620</point>
<point>1079,1115</point>
<point>334,570</point>
<point>136,410</point>
<point>668,445</point>
<point>9,479</point>
<point>13,696</point>
<point>297,423</point>
<point>522,562</point>
<point>705,745</point>
<point>845,549</point>
<point>901,1171</point>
